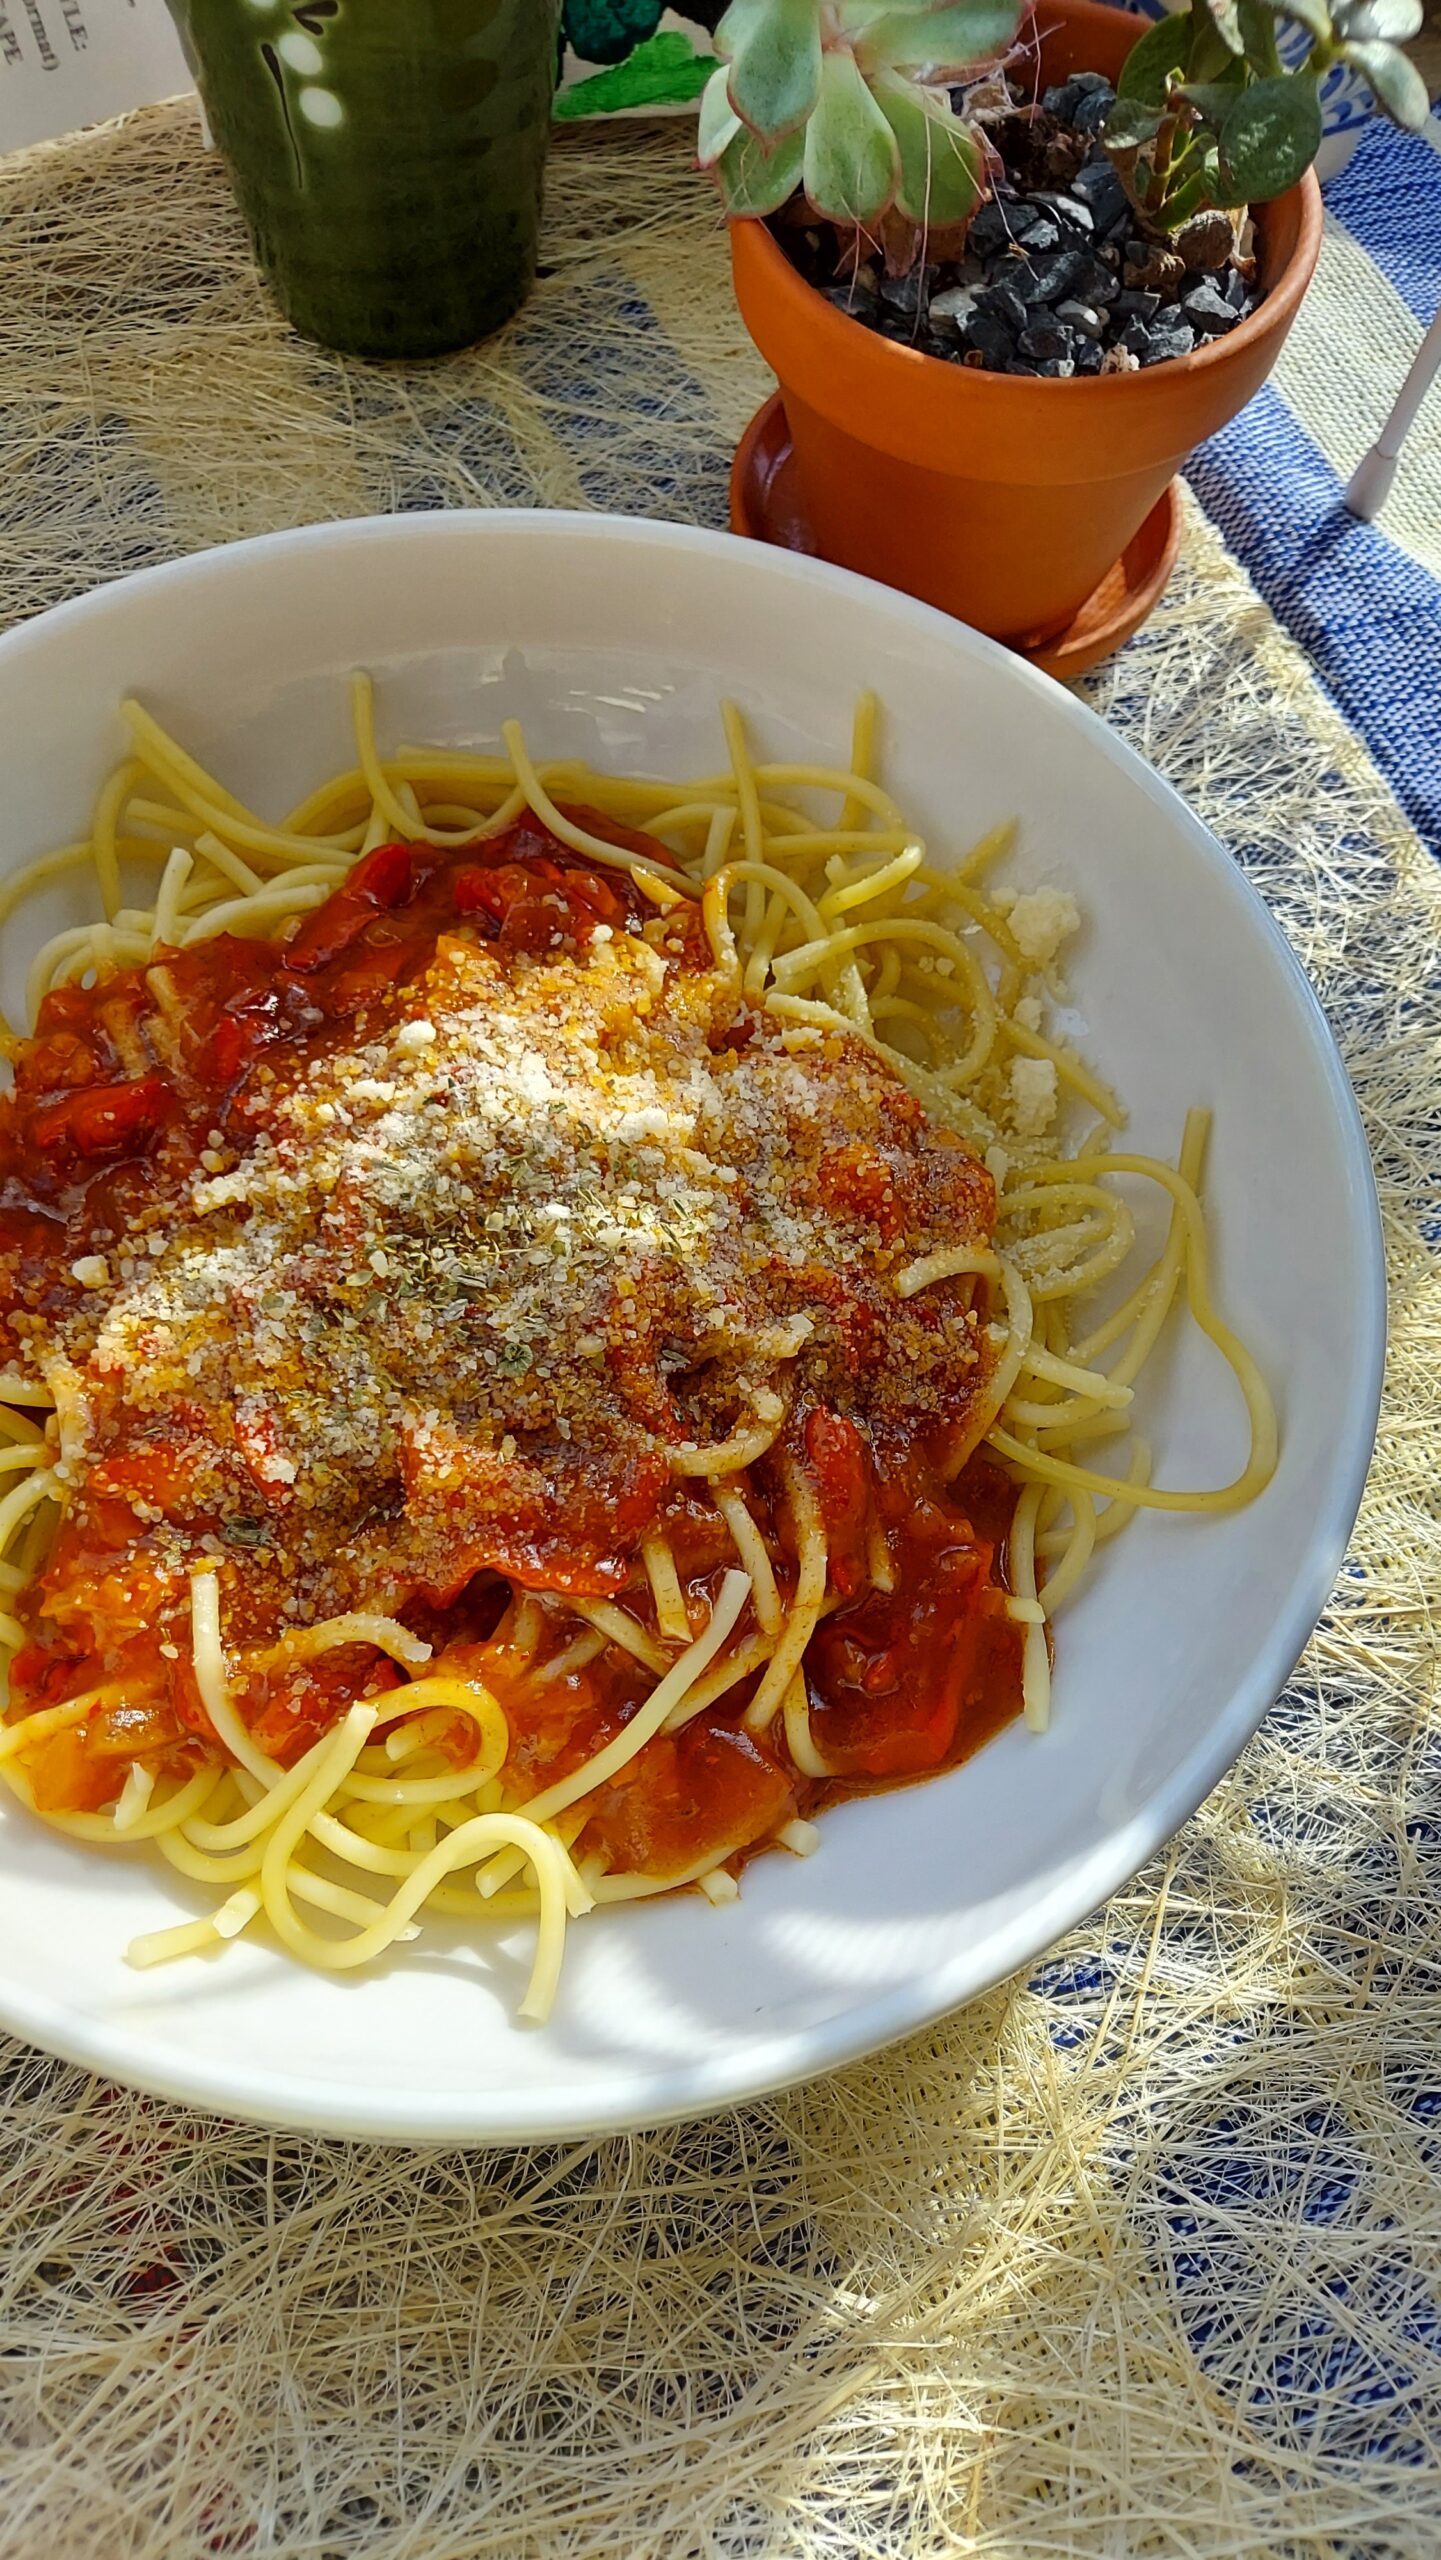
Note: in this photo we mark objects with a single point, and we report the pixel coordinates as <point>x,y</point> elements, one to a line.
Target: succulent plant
<point>1208,115</point>
<point>848,101</point>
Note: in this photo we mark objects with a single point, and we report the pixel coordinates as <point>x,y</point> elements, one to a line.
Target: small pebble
<point>1052,278</point>
<point>1076,216</point>
<point>1046,341</point>
<point>1166,344</point>
<point>1098,186</point>
<point>1136,306</point>
<point>1003,302</point>
<point>851,298</point>
<point>1095,182</point>
<point>1083,316</point>
<point>1155,341</point>
<point>1091,112</point>
<point>1036,232</point>
<point>956,303</point>
<point>1026,216</point>
<point>991,228</point>
<point>906,293</point>
<point>988,338</point>
<point>1097,282</point>
<point>1208,310</point>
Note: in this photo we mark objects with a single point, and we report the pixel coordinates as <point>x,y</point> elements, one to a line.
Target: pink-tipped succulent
<point>848,102</point>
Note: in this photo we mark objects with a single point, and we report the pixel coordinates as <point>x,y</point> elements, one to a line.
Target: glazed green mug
<point>387,155</point>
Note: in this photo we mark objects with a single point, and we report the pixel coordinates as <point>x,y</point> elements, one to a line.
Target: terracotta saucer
<point>765,504</point>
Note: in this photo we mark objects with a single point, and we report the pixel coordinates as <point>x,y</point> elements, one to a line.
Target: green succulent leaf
<point>940,39</point>
<point>1147,69</point>
<point>942,168</point>
<point>1396,83</point>
<point>1378,21</point>
<point>1313,15</point>
<point>1214,190</point>
<point>1131,123</point>
<point>852,162</point>
<point>775,63</point>
<point>1272,135</point>
<point>757,177</point>
<point>1226,19</point>
<point>719,124</point>
<point>1210,57</point>
<point>1214,99</point>
<point>739,21</point>
<point>1258,35</point>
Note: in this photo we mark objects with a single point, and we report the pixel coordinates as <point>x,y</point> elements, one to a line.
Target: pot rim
<point>753,238</point>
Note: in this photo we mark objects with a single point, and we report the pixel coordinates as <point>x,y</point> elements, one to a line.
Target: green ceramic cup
<point>387,155</point>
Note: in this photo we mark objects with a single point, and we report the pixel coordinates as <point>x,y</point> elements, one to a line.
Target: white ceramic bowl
<point>615,639</point>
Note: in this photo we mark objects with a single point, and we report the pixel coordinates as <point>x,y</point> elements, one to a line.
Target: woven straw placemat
<point>1140,2255</point>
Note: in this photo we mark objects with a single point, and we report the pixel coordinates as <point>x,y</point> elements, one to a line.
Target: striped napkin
<point>1363,600</point>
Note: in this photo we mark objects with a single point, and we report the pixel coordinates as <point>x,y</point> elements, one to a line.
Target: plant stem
<point>1161,163</point>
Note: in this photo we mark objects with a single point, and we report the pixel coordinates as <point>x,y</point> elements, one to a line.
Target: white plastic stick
<point>1370,483</point>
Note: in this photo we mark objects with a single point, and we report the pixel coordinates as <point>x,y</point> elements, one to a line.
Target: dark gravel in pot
<point>1055,278</point>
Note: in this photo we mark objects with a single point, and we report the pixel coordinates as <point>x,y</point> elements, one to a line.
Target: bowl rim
<point>640,2098</point>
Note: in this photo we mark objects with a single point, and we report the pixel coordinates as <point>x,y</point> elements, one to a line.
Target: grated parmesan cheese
<point>1033,1090</point>
<point>470,1279</point>
<point>1041,920</point>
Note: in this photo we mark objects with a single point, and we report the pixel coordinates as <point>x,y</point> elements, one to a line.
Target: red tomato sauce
<point>117,1098</point>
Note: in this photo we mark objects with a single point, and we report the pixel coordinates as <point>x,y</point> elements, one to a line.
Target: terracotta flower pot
<point>1003,499</point>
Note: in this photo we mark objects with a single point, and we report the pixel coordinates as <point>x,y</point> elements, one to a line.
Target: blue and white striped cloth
<point>1362,600</point>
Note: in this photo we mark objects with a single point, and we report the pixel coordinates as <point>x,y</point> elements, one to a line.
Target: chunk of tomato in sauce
<point>693,1797</point>
<point>97,1121</point>
<point>380,882</point>
<point>292,1707</point>
<point>906,1681</point>
<point>529,906</point>
<point>66,1776</point>
<point>43,1672</point>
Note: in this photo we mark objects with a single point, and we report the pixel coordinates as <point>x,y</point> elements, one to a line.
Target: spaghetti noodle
<point>548,1331</point>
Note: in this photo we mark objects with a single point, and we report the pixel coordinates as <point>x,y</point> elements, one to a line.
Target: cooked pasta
<point>552,1325</point>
